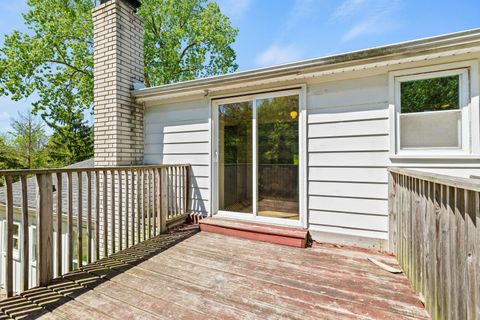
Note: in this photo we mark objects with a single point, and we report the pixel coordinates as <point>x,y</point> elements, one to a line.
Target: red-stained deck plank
<point>214,276</point>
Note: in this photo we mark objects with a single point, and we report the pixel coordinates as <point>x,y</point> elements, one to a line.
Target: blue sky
<point>280,31</point>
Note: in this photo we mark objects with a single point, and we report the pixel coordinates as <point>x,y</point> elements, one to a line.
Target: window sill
<point>435,157</point>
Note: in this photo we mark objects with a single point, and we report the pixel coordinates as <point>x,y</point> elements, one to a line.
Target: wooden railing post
<point>9,231</point>
<point>59,211</point>
<point>80,219</point>
<point>392,221</point>
<point>164,199</point>
<point>25,235</point>
<point>44,229</point>
<point>69,238</point>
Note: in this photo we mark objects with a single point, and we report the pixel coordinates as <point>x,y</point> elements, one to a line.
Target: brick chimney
<point>118,63</point>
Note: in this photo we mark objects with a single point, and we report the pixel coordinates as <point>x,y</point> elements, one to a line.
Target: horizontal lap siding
<point>348,145</point>
<point>179,133</point>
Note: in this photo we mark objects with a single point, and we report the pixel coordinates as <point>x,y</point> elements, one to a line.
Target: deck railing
<point>111,208</point>
<point>435,233</point>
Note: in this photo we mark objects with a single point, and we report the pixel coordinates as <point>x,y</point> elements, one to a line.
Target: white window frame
<point>33,245</point>
<point>299,90</point>
<point>16,252</point>
<point>468,73</point>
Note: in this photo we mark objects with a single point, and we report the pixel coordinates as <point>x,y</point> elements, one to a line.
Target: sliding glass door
<point>235,156</point>
<point>258,156</point>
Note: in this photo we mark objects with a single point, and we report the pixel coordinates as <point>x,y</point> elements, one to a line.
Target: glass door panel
<point>278,157</point>
<point>235,156</point>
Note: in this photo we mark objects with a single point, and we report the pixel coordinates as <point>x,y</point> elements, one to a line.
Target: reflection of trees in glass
<point>236,121</point>
<point>430,94</point>
<point>278,130</point>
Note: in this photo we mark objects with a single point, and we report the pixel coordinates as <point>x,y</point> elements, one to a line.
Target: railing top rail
<point>456,182</point>
<point>18,172</point>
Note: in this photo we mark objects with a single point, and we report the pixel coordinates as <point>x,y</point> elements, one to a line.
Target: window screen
<point>430,113</point>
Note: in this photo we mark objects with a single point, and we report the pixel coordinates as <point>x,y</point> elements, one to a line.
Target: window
<point>15,237</point>
<point>33,250</point>
<point>432,112</point>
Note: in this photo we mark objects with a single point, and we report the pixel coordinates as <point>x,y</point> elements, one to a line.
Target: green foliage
<point>278,130</point>
<point>236,123</point>
<point>8,160</point>
<point>186,39</point>
<point>430,94</point>
<point>28,139</point>
<point>53,59</point>
<point>70,144</point>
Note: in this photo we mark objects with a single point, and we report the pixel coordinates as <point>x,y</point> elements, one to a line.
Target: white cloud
<point>234,9</point>
<point>348,8</point>
<point>371,17</point>
<point>278,54</point>
<point>4,116</point>
<point>365,27</point>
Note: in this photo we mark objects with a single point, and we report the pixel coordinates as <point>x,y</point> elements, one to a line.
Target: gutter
<point>285,72</point>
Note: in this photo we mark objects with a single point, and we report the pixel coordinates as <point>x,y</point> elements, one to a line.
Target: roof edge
<point>412,46</point>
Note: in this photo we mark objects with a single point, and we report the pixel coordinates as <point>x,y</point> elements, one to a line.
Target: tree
<point>8,159</point>
<point>69,145</point>
<point>184,39</point>
<point>28,138</point>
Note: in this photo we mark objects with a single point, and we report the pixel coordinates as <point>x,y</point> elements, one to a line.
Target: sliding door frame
<point>303,153</point>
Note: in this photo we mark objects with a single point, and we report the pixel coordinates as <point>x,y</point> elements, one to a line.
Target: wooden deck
<point>190,275</point>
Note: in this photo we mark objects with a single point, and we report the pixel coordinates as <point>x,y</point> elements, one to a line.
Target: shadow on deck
<point>205,276</point>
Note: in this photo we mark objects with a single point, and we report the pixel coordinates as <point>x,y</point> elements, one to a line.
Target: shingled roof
<point>32,190</point>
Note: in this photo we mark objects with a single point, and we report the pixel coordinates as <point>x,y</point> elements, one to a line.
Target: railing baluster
<point>97,215</point>
<point>132,213</point>
<point>112,212</point>
<point>164,198</point>
<point>59,224</point>
<point>170,192</point>
<point>105,213</point>
<point>120,210</point>
<point>187,189</point>
<point>154,201</point>
<point>9,231</point>
<point>144,233</point>
<point>80,219</point>
<point>158,197</point>
<point>184,186</point>
<point>89,217</point>
<point>24,236</point>
<point>178,190</point>
<point>69,223</point>
<point>127,213</point>
<point>139,210</point>
<point>147,172</point>
<point>44,229</point>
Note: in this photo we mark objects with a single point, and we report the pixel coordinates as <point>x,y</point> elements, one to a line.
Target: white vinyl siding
<point>350,138</point>
<point>348,147</point>
<point>180,133</point>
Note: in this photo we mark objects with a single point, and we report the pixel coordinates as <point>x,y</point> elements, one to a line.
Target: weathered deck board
<point>210,276</point>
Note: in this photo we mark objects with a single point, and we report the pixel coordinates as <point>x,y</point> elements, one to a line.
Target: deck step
<point>289,236</point>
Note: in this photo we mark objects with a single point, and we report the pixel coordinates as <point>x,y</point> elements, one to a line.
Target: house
<point>32,223</point>
<point>307,144</point>
<point>304,144</point>
<point>323,146</point>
